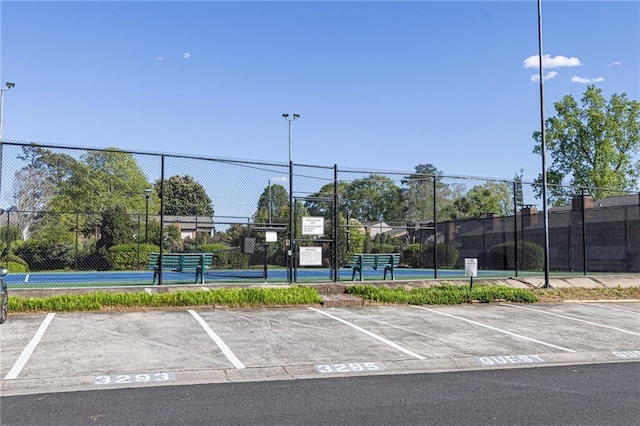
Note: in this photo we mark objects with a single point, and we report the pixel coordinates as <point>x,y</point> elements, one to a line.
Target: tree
<point>273,205</point>
<point>592,145</point>
<point>418,194</point>
<point>516,192</point>
<point>100,180</point>
<point>374,198</point>
<point>183,196</point>
<point>115,228</point>
<point>36,183</point>
<point>322,208</point>
<point>481,200</point>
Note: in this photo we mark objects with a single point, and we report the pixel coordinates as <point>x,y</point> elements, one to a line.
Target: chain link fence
<point>86,217</point>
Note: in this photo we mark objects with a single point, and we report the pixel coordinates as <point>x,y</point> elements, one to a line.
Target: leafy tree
<point>273,205</point>
<point>35,184</point>
<point>183,196</point>
<point>320,208</point>
<point>481,200</point>
<point>592,145</point>
<point>516,192</point>
<point>374,198</point>
<point>115,228</point>
<point>52,245</point>
<point>101,179</point>
<point>418,194</point>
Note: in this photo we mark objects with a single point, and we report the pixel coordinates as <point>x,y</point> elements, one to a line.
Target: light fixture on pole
<point>545,213</point>
<point>290,248</point>
<point>8,86</point>
<point>147,193</point>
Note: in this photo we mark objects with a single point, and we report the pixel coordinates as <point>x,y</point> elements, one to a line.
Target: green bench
<point>181,262</point>
<point>375,260</point>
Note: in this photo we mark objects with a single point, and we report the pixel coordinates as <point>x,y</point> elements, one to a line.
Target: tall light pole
<point>8,86</point>
<point>543,146</point>
<point>290,248</point>
<point>147,193</point>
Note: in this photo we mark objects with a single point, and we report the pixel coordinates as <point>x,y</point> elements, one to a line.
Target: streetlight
<point>2,90</point>
<point>147,193</point>
<point>543,146</point>
<point>289,251</point>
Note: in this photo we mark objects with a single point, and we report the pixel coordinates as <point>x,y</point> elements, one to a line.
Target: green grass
<point>442,295</point>
<point>99,301</point>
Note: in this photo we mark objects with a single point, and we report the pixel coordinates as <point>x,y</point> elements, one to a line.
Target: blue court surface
<point>223,276</point>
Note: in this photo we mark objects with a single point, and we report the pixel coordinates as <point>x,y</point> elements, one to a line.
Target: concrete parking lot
<point>62,352</point>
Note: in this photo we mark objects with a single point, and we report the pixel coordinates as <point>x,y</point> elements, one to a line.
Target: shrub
<point>46,255</point>
<point>20,264</point>
<point>16,267</point>
<point>384,248</point>
<point>530,256</point>
<point>131,256</point>
<point>411,256</point>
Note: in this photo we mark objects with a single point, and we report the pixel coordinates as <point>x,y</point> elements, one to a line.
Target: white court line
<point>28,350</point>
<point>572,319</point>
<point>607,307</point>
<point>518,336</point>
<point>368,333</point>
<point>223,347</point>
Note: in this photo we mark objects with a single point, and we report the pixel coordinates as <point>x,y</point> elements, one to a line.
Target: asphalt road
<point>598,394</point>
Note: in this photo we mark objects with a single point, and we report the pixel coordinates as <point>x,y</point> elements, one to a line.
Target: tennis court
<point>221,276</point>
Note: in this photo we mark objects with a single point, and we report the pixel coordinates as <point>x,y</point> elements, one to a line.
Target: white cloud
<point>549,62</point>
<point>583,80</point>
<point>615,64</point>
<point>159,58</point>
<point>547,76</point>
<point>186,55</point>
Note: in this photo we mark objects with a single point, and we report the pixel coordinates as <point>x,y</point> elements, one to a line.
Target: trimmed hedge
<point>125,257</point>
<point>530,256</point>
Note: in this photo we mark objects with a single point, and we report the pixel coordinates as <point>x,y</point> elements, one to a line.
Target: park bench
<point>181,262</point>
<point>375,260</point>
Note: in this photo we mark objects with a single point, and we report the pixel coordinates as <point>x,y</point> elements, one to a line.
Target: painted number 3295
<point>133,378</point>
<point>348,367</point>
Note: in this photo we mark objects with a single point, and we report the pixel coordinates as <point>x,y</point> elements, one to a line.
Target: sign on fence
<point>312,225</point>
<point>311,256</point>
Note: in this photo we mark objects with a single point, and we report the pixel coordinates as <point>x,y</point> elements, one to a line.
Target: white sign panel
<point>312,225</point>
<point>311,256</point>
<point>270,236</point>
<point>470,267</point>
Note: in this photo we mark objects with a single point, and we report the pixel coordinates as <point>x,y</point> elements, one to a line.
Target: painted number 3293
<point>133,378</point>
<point>348,367</point>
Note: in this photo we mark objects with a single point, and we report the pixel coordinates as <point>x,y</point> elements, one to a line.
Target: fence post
<point>77,239</point>
<point>435,229</point>
<point>336,223</point>
<point>584,236</point>
<point>515,228</point>
<point>160,274</point>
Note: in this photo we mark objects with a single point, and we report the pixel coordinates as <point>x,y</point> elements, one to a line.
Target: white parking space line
<point>518,336</point>
<point>368,333</point>
<point>607,307</point>
<point>223,347</point>
<point>572,319</point>
<point>28,350</point>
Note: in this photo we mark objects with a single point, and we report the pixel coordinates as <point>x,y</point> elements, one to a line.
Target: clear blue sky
<point>379,85</point>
